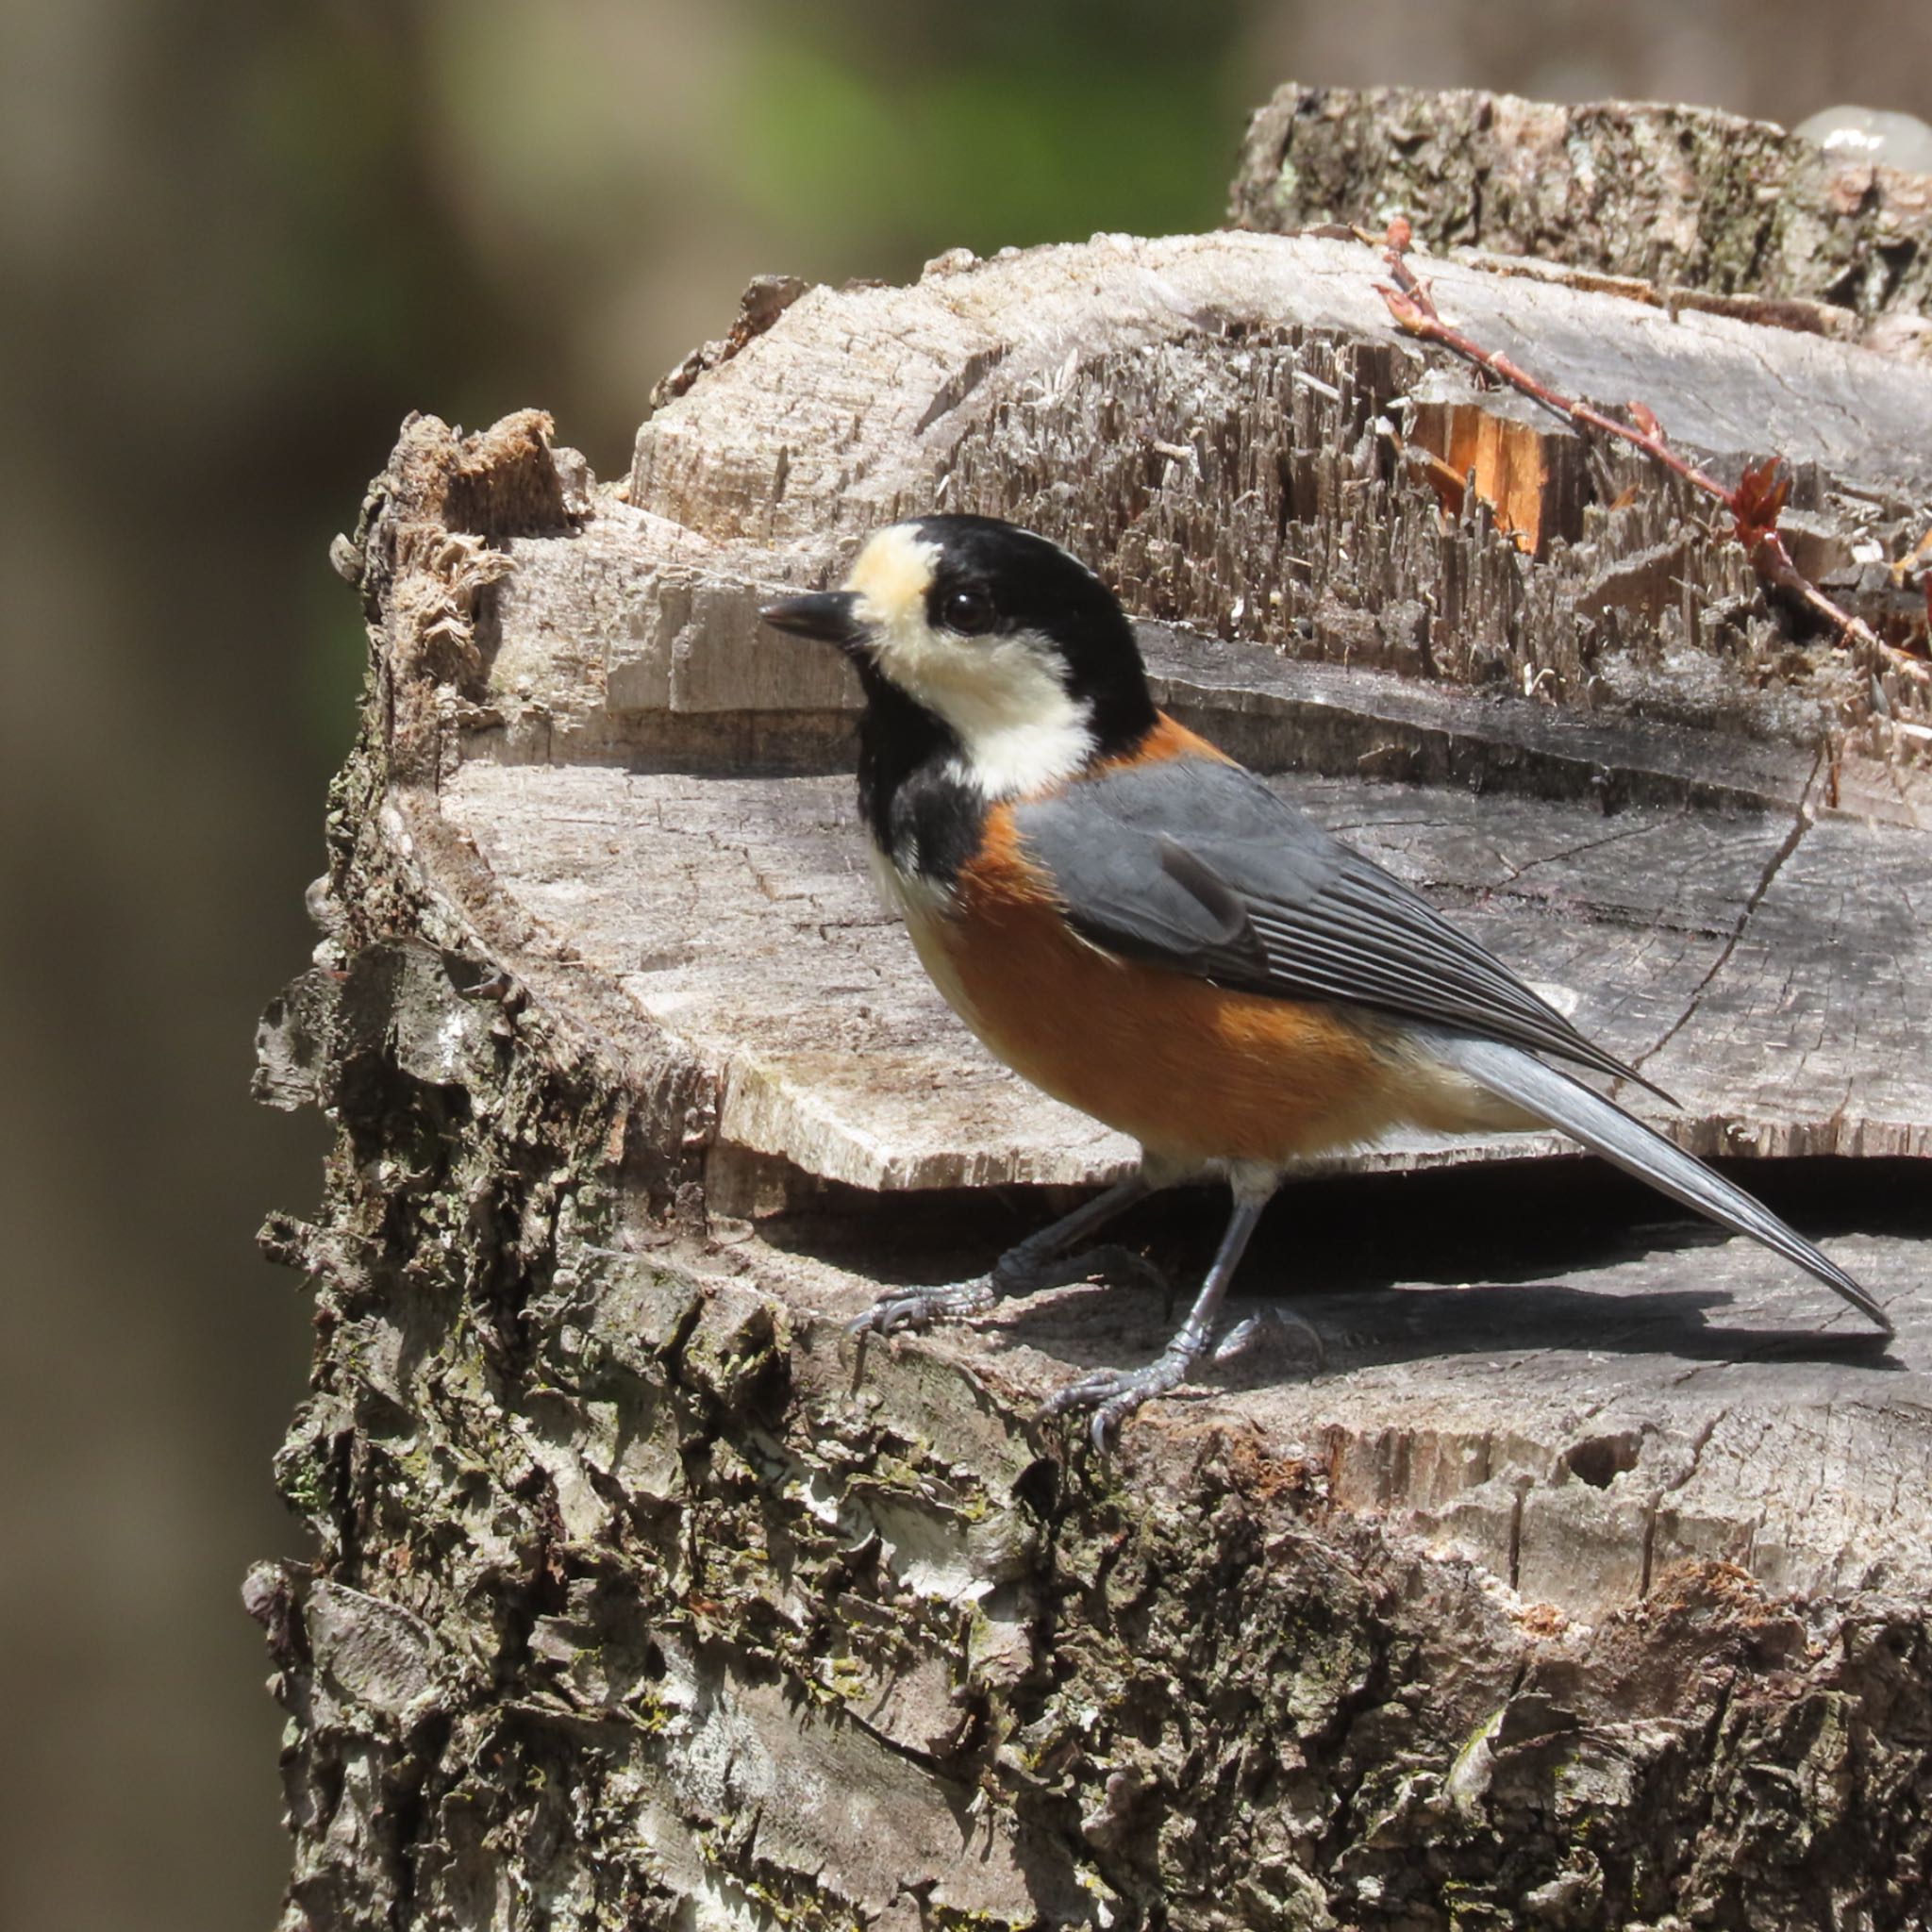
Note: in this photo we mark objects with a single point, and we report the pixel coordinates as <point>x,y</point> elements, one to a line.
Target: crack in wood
<point>1802,822</point>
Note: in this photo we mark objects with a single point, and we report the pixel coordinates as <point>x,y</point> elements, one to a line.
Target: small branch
<point>1755,504</point>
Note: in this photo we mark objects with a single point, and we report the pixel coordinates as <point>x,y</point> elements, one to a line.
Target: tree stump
<point>1587,1584</point>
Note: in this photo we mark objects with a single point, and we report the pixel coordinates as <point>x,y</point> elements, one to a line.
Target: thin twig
<point>1754,505</point>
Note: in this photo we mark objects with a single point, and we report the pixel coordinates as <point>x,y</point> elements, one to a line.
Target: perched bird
<point>1139,925</point>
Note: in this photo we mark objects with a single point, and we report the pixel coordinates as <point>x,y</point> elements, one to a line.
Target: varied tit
<point>1139,925</point>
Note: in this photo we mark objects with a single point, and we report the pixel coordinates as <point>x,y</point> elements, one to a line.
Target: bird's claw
<point>1273,1324</point>
<point>908,1309</point>
<point>1114,1394</point>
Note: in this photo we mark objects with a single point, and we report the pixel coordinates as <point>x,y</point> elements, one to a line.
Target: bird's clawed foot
<point>1114,1394</point>
<point>916,1308</point>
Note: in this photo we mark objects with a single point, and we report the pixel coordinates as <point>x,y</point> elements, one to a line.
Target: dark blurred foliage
<point>237,243</point>
<point>876,140</point>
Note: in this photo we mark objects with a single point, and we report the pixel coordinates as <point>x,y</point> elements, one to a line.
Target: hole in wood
<point>1602,1459</point>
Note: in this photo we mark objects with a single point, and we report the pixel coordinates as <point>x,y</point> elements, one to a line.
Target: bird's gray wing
<point>1196,864</point>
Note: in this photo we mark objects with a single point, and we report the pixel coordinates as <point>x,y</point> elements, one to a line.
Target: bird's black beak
<point>830,616</point>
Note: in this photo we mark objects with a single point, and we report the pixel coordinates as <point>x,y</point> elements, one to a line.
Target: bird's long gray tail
<point>1605,1128</point>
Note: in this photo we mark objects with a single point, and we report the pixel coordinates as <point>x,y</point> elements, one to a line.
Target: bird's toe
<point>909,1309</point>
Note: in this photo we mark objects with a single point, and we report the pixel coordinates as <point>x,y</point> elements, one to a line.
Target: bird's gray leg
<point>1114,1394</point>
<point>1044,1259</point>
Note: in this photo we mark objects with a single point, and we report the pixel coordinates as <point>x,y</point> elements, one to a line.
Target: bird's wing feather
<point>1196,864</point>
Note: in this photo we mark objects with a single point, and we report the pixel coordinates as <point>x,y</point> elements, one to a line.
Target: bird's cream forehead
<point>891,576</point>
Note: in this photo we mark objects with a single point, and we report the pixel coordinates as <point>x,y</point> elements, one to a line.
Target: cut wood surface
<point>1571,1565</point>
<point>1767,975</point>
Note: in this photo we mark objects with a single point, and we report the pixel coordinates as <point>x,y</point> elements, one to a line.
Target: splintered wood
<point>1511,467</point>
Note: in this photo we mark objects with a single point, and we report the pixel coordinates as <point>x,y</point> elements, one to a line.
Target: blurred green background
<point>237,243</point>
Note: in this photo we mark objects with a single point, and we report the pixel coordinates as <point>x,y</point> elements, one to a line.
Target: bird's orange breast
<point>1191,1070</point>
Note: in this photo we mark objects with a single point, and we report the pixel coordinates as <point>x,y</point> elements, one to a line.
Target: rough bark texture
<point>1716,209</point>
<point>1586,1583</point>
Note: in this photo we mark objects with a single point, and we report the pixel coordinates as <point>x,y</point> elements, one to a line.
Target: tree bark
<point>1716,211</point>
<point>1587,1581</point>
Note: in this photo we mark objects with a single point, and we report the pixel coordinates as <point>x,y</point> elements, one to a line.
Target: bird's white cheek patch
<point>1019,759</point>
<point>1018,730</point>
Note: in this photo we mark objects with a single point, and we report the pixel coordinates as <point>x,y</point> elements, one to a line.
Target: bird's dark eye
<point>967,609</point>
